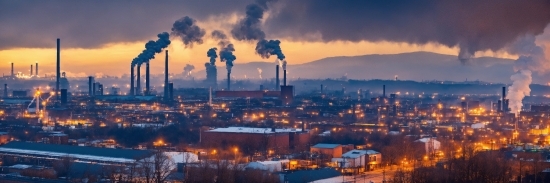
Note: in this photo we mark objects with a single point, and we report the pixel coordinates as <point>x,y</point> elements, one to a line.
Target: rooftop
<point>80,152</point>
<point>326,146</point>
<point>254,130</point>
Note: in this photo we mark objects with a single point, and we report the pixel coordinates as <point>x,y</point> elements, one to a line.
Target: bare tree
<point>163,166</point>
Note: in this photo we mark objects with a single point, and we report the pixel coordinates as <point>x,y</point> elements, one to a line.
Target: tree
<point>156,168</point>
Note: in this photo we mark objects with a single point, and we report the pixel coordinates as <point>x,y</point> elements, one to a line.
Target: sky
<point>103,37</point>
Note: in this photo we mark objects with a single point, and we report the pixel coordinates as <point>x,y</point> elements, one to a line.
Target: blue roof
<point>326,146</point>
<point>80,150</point>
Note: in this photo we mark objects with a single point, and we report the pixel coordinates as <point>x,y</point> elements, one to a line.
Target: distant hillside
<point>407,66</point>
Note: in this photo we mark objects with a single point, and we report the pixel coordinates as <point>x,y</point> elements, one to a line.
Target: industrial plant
<point>290,92</point>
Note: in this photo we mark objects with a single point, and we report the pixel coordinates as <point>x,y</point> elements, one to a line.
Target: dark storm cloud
<point>472,25</point>
<point>90,24</point>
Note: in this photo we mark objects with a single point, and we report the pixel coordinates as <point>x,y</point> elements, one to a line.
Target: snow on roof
<point>354,153</point>
<point>182,157</point>
<point>20,166</point>
<point>253,130</point>
<point>77,156</point>
<point>370,152</point>
<point>267,165</point>
<point>79,152</point>
<point>326,146</point>
<point>426,140</point>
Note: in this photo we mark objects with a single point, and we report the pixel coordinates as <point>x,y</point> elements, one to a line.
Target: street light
<point>236,150</point>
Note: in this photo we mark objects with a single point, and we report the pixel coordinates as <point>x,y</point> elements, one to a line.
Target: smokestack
<point>132,80</point>
<point>90,86</point>
<point>383,90</point>
<point>503,97</point>
<point>321,88</point>
<point>277,77</point>
<point>31,71</point>
<point>228,81</point>
<point>147,88</point>
<point>36,67</point>
<point>58,73</point>
<point>171,91</point>
<point>12,74</point>
<point>138,81</point>
<point>261,87</point>
<point>64,96</point>
<point>5,90</point>
<point>284,77</point>
<point>166,97</point>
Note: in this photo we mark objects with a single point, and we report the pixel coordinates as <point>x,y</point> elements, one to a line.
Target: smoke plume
<point>213,55</point>
<point>519,89</point>
<point>226,49</point>
<point>266,48</point>
<point>249,28</point>
<point>186,28</point>
<point>470,25</point>
<point>532,58</point>
<point>152,48</point>
<point>221,37</point>
<point>259,72</point>
<point>187,69</point>
<point>226,55</point>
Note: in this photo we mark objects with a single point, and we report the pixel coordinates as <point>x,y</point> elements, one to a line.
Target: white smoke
<point>519,89</point>
<point>532,58</point>
<point>260,72</point>
<point>283,63</point>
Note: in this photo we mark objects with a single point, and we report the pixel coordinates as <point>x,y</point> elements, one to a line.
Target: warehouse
<point>44,154</point>
<point>275,140</point>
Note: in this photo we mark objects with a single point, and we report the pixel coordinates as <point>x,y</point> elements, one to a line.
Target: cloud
<point>471,25</point>
<point>87,24</point>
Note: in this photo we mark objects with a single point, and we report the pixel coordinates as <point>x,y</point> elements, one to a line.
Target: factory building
<point>276,140</point>
<point>248,94</point>
<point>44,154</point>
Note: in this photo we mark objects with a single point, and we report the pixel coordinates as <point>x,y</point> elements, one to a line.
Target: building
<point>16,152</point>
<point>430,145</point>
<point>248,94</point>
<point>327,151</point>
<point>263,139</point>
<point>358,160</point>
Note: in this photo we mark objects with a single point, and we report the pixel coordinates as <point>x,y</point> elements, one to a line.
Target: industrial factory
<point>270,117</point>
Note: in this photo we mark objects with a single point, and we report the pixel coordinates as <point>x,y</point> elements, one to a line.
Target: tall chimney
<point>284,77</point>
<point>383,90</point>
<point>90,86</point>
<point>321,88</point>
<point>132,89</point>
<point>12,74</point>
<point>36,68</point>
<point>277,78</point>
<point>138,81</point>
<point>58,73</point>
<point>147,88</point>
<point>5,90</point>
<point>166,97</point>
<point>31,71</point>
<point>228,81</point>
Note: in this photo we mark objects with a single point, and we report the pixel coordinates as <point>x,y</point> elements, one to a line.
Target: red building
<point>256,139</point>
